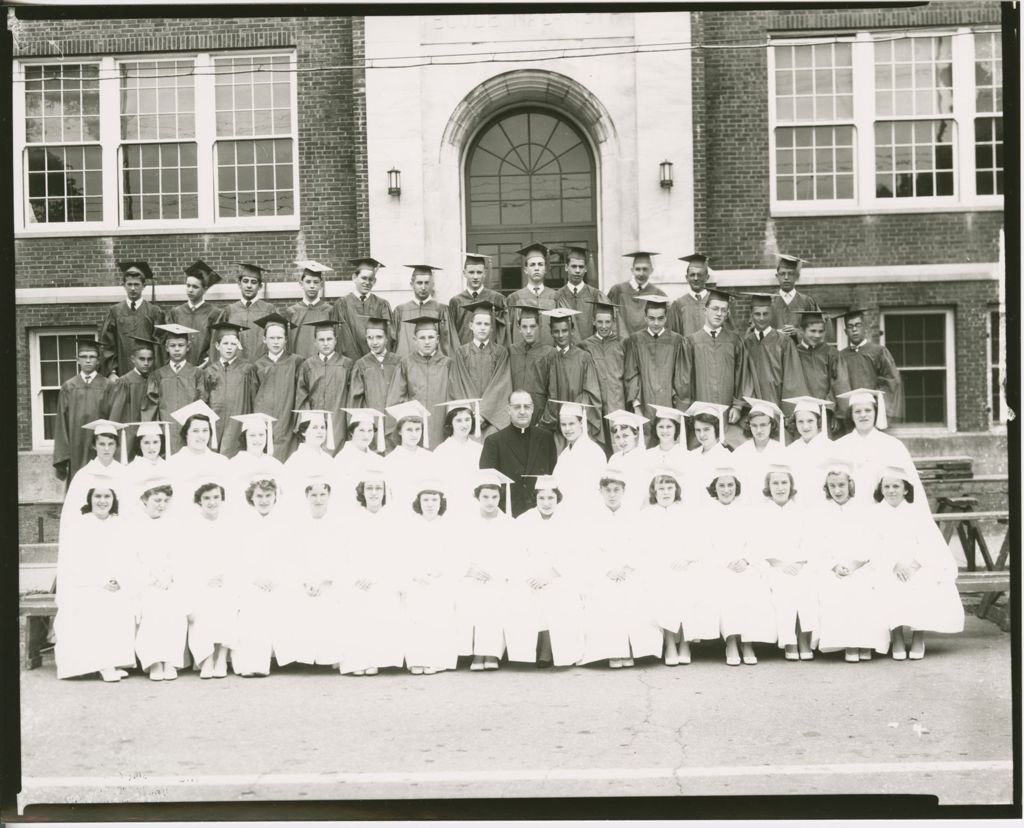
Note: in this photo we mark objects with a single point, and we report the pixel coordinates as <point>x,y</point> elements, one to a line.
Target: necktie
<point>536,292</point>
<point>131,305</point>
<point>474,296</point>
<point>760,336</point>
<point>714,334</point>
<point>363,299</point>
<point>87,379</point>
<point>482,345</point>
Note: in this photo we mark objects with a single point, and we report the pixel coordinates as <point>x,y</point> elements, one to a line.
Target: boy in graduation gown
<point>229,385</point>
<point>423,304</point>
<point>372,373</point>
<point>715,367</point>
<point>626,294</point>
<point>324,378</point>
<point>686,314</point>
<point>278,373</point>
<point>825,373</point>
<point>313,307</point>
<point>573,376</point>
<point>195,312</point>
<point>423,376</point>
<point>176,384</point>
<point>870,365</point>
<point>535,292</point>
<point>134,317</point>
<point>653,367</point>
<point>529,361</point>
<point>577,295</point>
<point>244,314</point>
<point>474,271</point>
<point>81,400</point>
<point>775,368</point>
<point>606,348</point>
<point>353,309</point>
<point>520,451</point>
<point>127,399</point>
<point>789,302</point>
<point>480,370</point>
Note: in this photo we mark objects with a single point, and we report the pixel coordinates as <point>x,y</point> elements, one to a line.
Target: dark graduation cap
<point>852,312</point>
<point>317,324</point>
<point>229,327</point>
<point>203,272</point>
<point>575,250</point>
<point>541,248</point>
<point>479,305</point>
<point>86,343</point>
<point>694,258</point>
<point>758,299</point>
<point>141,341</point>
<point>419,268</point>
<point>809,316</point>
<point>526,307</point>
<point>249,269</point>
<point>718,293</point>
<point>476,258</point>
<point>425,319</point>
<point>603,305</point>
<point>275,318</point>
<point>358,261</point>
<point>136,268</point>
<point>640,254</point>
<point>376,322</point>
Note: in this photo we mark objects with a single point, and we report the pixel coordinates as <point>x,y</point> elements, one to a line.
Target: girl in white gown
<point>615,579</point>
<point>630,457</point>
<point>850,617</point>
<point>106,437</point>
<point>370,583</point>
<point>544,622</point>
<point>811,447</point>
<point>708,423</point>
<point>257,456</point>
<point>764,447</point>
<point>408,461</point>
<point>679,578</point>
<point>314,456</point>
<point>580,463</point>
<point>431,639</point>
<point>917,583</point>
<point>310,626</point>
<point>481,592</point>
<point>197,461</point>
<point>162,637</point>
<point>263,539</point>
<point>669,453</point>
<point>778,533</point>
<point>743,594</point>
<point>153,444</point>
<point>362,451</point>
<point>456,461</point>
<point>97,578</point>
<point>209,550</point>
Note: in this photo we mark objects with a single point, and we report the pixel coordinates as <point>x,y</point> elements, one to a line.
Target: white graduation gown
<point>297,470</point>
<point>676,458</point>
<point>188,470</point>
<point>618,617</point>
<point>556,607</point>
<point>752,465</point>
<point>456,464</point>
<point>135,475</point>
<point>634,466</point>
<point>481,607</point>
<point>849,610</point>
<point>700,472</point>
<point>870,453</point>
<point>928,600</point>
<point>431,573</point>
<point>261,543</point>
<point>85,479</point>
<point>372,619</point>
<point>744,598</point>
<point>209,554</point>
<point>350,464</point>
<point>163,599</point>
<point>94,627</point>
<point>243,467</point>
<point>578,471</point>
<point>403,469</point>
<point>805,458</point>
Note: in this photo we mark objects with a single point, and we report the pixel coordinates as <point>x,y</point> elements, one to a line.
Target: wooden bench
<point>33,610</point>
<point>957,514</point>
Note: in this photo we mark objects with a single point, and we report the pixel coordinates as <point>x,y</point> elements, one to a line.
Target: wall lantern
<point>666,174</point>
<point>395,182</point>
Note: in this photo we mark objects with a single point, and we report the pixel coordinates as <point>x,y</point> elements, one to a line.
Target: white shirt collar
<point>309,304</point>
<point>481,344</point>
<point>633,284</point>
<point>766,331</point>
<point>195,307</point>
<point>176,366</point>
<point>229,362</point>
<point>655,335</point>
<point>274,358</point>
<point>380,358</point>
<point>138,302</point>
<point>787,297</point>
<point>707,330</point>
<point>89,377</point>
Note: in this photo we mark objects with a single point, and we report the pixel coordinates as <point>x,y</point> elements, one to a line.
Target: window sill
<point>974,207</point>
<point>179,230</point>
<point>920,431</point>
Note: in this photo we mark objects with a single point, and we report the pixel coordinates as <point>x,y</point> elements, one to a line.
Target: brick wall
<point>731,109</point>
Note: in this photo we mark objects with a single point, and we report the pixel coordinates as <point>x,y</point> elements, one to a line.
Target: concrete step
<point>36,577</point>
<point>37,553</point>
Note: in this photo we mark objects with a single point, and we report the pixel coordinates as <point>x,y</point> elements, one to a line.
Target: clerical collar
<point>274,357</point>
<point>522,430</point>
<point>196,307</point>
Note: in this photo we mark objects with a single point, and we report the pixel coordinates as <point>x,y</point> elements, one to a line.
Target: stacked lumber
<point>944,468</point>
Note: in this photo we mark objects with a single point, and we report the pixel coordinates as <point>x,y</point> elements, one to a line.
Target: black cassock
<point>517,452</point>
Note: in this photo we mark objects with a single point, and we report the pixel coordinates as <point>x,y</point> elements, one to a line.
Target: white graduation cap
<point>623,417</point>
<point>469,402</point>
<point>369,415</point>
<point>573,409</point>
<point>255,420</point>
<point>868,395</point>
<point>111,429</point>
<point>724,470</point>
<point>412,408</point>
<point>491,477</point>
<point>664,471</point>
<point>894,470</point>
<point>714,409</point>
<point>664,412</point>
<point>152,482</point>
<point>832,465</point>
<point>544,481</point>
<point>815,405</point>
<point>155,428</point>
<point>770,409</point>
<point>307,414</point>
<point>614,473</point>
<point>182,415</point>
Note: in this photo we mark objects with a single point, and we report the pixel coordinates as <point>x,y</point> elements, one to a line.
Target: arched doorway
<point>530,176</point>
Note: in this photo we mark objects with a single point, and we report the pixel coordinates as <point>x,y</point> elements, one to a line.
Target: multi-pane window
<point>994,368</point>
<point>886,120</point>
<point>200,140</point>
<point>62,154</point>
<point>988,103</point>
<point>918,344</point>
<point>54,361</point>
<point>253,98</point>
<point>159,176</point>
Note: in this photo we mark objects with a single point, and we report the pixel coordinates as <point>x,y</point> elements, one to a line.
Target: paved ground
<point>940,726</point>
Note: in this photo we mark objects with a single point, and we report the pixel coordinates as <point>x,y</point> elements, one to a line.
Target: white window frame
<point>950,426</point>
<point>864,119</point>
<point>993,360</point>
<point>207,220</point>
<point>39,443</point>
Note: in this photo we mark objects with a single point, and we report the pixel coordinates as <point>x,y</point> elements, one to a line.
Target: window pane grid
<point>917,342</point>
<point>254,178</point>
<point>995,406</point>
<point>814,163</point>
<point>988,155</point>
<point>914,158</point>
<point>253,96</point>
<point>814,83</point>
<point>65,184</point>
<point>159,181</point>
<point>913,76</point>
<point>988,72</point>
<point>58,362</point>
<point>157,100</point>
<point>62,103</point>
